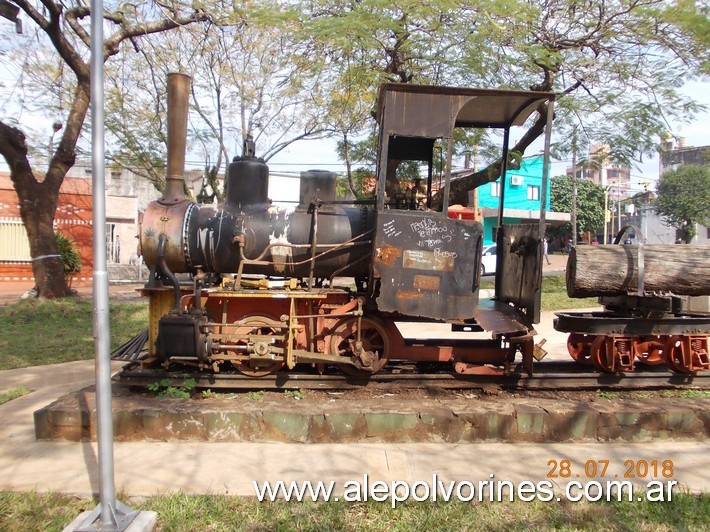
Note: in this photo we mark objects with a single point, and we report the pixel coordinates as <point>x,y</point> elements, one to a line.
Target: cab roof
<point>434,111</point>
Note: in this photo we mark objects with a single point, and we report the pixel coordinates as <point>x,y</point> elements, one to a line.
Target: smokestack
<point>178,99</point>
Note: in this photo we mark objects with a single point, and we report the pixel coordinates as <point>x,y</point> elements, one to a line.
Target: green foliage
<point>165,388</point>
<point>590,202</point>
<point>255,396</point>
<point>70,256</point>
<point>363,181</point>
<point>684,198</point>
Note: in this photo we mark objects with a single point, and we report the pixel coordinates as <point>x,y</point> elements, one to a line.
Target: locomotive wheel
<point>579,348</point>
<point>375,344</point>
<point>650,350</point>
<point>256,325</point>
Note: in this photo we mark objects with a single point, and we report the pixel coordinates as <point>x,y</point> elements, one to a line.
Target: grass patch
<point>13,393</point>
<point>179,512</point>
<point>554,294</point>
<point>38,331</point>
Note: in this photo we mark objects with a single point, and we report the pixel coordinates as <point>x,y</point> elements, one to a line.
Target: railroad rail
<point>551,376</point>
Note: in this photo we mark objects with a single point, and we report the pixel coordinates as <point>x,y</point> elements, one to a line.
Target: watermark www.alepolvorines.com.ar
<point>491,490</point>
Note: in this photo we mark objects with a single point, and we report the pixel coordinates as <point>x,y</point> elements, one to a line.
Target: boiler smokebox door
<point>427,264</point>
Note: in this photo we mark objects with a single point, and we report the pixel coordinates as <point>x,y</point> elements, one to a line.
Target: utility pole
<point>574,187</point>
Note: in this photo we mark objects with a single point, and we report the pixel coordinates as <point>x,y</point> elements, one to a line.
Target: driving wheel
<point>263,364</point>
<point>370,354</point>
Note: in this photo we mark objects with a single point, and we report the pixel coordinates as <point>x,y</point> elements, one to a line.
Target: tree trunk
<point>38,202</point>
<point>38,216</point>
<point>613,270</point>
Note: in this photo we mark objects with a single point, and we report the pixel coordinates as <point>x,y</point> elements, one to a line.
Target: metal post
<point>447,176</point>
<point>546,166</point>
<point>102,330</point>
<point>503,171</point>
<point>107,516</point>
<point>501,207</point>
<point>606,216</point>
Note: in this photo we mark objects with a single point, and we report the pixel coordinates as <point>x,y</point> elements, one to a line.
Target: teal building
<point>523,193</point>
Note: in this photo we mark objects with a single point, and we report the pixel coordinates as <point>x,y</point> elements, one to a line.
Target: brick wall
<point>73,218</point>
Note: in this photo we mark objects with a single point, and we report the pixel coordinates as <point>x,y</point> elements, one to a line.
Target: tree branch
<point>112,44</point>
<point>13,147</point>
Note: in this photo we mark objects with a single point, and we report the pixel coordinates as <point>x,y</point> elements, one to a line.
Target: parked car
<point>488,260</point>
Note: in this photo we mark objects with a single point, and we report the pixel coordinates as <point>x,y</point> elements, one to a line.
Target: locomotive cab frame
<point>426,264</point>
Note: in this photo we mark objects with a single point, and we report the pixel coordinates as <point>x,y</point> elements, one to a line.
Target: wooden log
<point>612,270</point>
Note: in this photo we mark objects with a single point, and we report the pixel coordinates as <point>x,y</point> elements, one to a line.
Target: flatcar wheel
<point>612,354</point>
<point>675,354</point>
<point>579,347</point>
<point>598,353</point>
<point>650,350</point>
<point>375,348</point>
<point>687,354</point>
<point>256,325</point>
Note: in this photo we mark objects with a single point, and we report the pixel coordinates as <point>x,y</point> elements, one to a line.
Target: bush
<point>69,254</point>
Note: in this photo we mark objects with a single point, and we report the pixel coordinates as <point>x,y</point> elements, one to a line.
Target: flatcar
<point>649,316</point>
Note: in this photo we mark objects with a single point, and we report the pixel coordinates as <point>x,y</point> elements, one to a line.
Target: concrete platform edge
<point>73,418</point>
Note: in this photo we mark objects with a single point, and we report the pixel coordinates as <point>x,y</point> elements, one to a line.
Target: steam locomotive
<point>267,289</point>
<point>267,286</point>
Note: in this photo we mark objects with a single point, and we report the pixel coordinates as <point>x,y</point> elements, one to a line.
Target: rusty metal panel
<point>427,282</point>
<point>427,264</point>
<point>519,269</point>
<point>404,114</point>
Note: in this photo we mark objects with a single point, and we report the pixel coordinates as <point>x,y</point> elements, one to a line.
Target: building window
<point>14,244</point>
<point>533,193</point>
<point>495,189</point>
